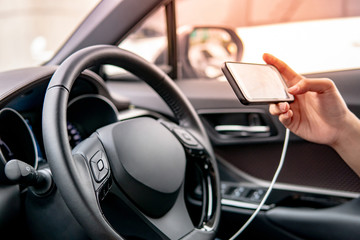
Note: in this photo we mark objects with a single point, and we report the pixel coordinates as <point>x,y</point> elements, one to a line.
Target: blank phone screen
<point>259,82</point>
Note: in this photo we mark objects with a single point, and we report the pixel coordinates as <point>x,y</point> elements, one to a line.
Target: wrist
<point>349,131</point>
<point>348,142</point>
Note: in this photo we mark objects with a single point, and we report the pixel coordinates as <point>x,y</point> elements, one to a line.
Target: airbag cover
<point>147,161</point>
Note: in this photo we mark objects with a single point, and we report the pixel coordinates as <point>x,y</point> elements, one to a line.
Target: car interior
<point>102,142</point>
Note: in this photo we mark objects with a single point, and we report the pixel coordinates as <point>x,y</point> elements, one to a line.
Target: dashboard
<point>90,107</point>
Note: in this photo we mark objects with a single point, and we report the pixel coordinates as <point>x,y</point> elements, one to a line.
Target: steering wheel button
<point>99,175</point>
<point>95,170</point>
<point>185,137</point>
<point>96,157</point>
<point>102,174</point>
<point>100,165</point>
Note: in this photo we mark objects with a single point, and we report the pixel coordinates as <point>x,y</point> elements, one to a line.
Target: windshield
<point>32,31</point>
<point>311,36</point>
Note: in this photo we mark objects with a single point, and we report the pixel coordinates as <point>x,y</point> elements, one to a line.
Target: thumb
<point>318,85</point>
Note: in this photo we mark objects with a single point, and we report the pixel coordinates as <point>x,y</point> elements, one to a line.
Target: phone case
<point>239,92</point>
<point>234,85</point>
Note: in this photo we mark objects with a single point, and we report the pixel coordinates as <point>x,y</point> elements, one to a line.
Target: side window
<point>148,41</point>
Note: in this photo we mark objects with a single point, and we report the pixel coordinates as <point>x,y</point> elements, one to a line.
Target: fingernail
<point>293,89</point>
<point>283,107</point>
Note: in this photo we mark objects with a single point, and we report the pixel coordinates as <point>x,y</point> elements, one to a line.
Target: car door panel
<point>306,164</point>
<point>340,222</point>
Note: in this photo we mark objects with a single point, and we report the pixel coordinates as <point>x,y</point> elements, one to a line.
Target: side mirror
<point>202,50</point>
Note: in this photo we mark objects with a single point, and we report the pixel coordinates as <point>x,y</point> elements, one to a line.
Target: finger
<point>286,118</point>
<point>291,77</point>
<point>280,108</point>
<point>319,85</point>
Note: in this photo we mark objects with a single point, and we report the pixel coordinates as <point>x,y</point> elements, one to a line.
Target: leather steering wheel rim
<point>66,171</point>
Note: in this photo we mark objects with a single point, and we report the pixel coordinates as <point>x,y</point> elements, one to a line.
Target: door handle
<point>243,131</point>
<point>242,128</point>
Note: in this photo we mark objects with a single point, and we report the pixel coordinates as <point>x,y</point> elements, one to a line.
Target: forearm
<point>348,144</point>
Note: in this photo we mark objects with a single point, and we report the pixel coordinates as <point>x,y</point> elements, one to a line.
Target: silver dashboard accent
<point>241,128</point>
<point>240,204</point>
<point>137,112</point>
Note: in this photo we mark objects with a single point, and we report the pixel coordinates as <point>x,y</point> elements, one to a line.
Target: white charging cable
<point>261,204</point>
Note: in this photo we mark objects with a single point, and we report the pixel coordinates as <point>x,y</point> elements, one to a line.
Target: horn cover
<point>147,161</point>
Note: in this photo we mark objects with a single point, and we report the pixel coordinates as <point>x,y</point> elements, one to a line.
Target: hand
<point>318,113</point>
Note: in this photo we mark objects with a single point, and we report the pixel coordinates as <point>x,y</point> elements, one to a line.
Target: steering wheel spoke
<point>95,157</point>
<point>197,153</point>
<point>118,209</point>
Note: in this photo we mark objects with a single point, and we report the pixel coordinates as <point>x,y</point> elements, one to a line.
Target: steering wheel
<point>144,159</point>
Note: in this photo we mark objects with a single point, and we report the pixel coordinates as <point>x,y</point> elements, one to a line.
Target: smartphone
<point>256,83</point>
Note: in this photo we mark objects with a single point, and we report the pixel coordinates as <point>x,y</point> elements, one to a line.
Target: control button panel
<point>242,193</point>
<point>99,165</point>
<point>191,145</point>
<point>185,137</point>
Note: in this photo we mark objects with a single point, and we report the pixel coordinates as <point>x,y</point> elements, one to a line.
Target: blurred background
<point>31,31</point>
